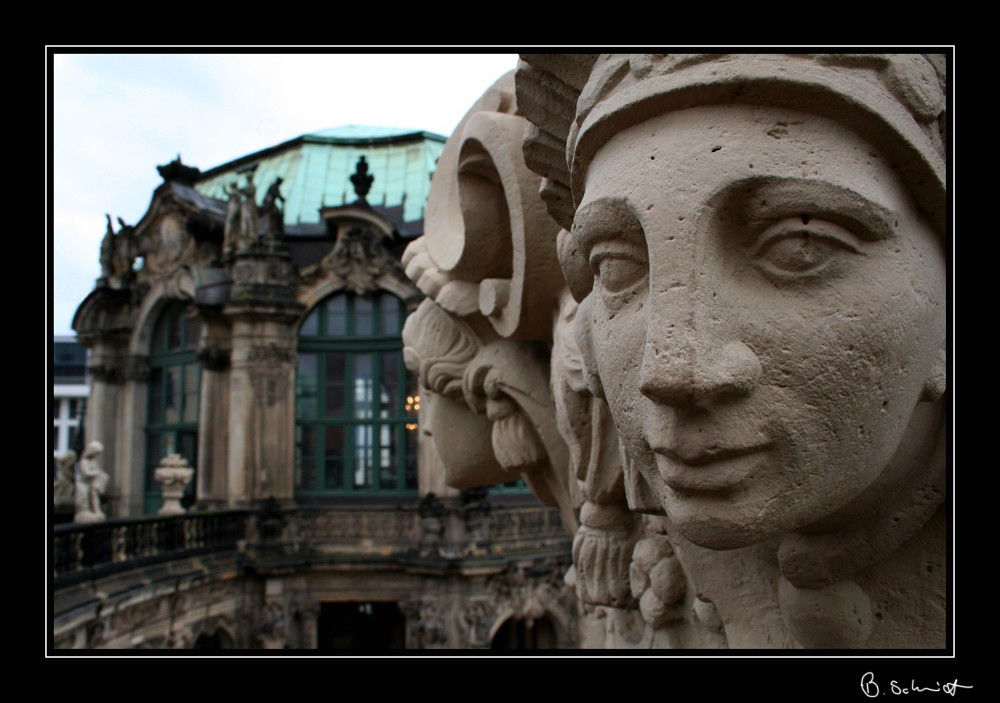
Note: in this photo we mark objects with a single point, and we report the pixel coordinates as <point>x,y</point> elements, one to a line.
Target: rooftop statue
<point>118,250</point>
<point>249,213</point>
<point>272,212</point>
<point>757,245</point>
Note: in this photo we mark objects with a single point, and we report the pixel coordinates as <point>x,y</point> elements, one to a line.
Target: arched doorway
<point>539,633</point>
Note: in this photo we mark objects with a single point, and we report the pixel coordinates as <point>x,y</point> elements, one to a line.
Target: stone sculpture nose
<point>683,369</point>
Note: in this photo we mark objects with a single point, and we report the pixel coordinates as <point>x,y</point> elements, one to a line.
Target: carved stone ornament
<point>359,257</point>
<point>118,252</point>
<point>430,631</point>
<point>178,171</point>
<point>270,520</point>
<point>173,474</point>
<point>137,368</point>
<point>270,354</point>
<point>476,624</point>
<point>63,489</point>
<point>106,373</point>
<point>214,357</point>
<point>362,180</point>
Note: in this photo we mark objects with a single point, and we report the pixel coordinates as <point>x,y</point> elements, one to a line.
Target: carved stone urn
<point>173,474</point>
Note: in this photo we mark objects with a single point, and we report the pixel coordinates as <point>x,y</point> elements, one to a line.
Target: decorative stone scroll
<point>742,348</point>
<point>480,344</point>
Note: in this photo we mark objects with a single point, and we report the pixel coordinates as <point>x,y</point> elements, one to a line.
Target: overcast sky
<point>115,117</point>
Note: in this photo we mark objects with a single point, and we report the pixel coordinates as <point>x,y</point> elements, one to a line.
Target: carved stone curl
<point>480,345</point>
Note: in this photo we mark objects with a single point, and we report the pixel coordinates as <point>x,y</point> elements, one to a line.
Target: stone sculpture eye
<point>617,266</point>
<point>802,247</point>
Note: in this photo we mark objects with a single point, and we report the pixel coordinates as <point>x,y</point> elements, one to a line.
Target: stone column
<point>263,314</point>
<point>103,421</point>
<point>213,414</point>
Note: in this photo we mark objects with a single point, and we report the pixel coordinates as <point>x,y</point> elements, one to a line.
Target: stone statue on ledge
<point>118,251</point>
<point>249,213</point>
<point>246,222</point>
<point>91,481</point>
<point>272,213</point>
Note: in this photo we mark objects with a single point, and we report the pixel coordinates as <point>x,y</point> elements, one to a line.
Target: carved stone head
<point>767,319</point>
<point>438,349</point>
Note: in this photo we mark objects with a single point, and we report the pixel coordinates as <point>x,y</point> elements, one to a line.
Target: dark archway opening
<point>216,641</point>
<point>523,634</point>
<point>357,625</point>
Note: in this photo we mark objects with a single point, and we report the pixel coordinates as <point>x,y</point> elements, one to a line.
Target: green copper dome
<point>317,169</point>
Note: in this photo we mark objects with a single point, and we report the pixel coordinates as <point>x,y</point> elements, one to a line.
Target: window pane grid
<point>350,347</point>
<point>174,389</point>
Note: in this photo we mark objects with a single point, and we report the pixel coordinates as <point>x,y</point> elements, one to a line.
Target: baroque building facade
<point>247,329</point>
<point>696,303</point>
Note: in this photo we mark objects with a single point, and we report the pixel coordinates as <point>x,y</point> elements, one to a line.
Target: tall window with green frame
<point>355,404</point>
<point>174,386</point>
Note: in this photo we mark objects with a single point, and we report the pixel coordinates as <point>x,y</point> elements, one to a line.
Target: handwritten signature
<point>871,689</point>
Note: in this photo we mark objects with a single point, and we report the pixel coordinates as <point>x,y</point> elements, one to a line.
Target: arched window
<point>355,404</point>
<point>174,385</point>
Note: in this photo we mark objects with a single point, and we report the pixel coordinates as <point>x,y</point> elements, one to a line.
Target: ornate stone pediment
<point>359,258</point>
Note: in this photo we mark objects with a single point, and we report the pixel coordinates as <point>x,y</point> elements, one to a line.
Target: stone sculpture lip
<point>709,470</point>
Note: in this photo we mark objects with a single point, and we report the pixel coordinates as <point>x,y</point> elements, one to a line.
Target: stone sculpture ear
<point>585,340</point>
<point>937,382</point>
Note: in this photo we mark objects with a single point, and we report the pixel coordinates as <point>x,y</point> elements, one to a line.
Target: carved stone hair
<point>438,347</point>
<point>897,101</point>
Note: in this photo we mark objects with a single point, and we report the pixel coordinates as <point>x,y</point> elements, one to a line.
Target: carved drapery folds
<point>640,391</point>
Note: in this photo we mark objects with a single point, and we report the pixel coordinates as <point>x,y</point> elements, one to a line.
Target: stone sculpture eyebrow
<point>789,196</point>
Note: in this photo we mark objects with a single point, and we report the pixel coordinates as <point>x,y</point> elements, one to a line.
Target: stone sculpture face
<point>768,313</point>
<point>462,440</point>
<point>439,348</point>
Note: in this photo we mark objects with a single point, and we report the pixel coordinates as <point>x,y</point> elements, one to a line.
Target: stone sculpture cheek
<point>462,439</point>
